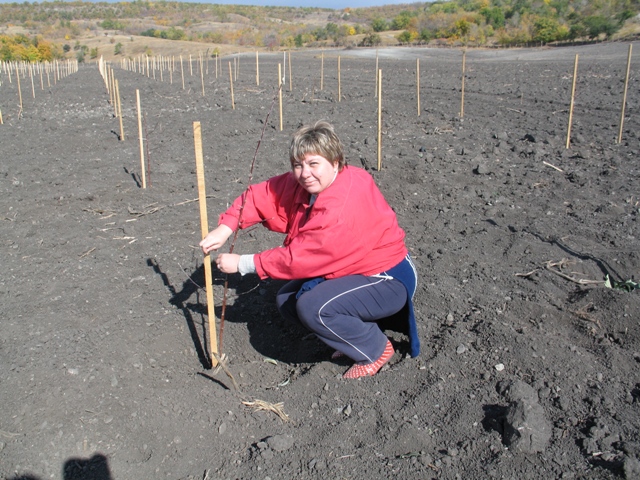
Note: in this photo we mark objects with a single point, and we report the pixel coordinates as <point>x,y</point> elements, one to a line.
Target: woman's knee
<point>308,311</point>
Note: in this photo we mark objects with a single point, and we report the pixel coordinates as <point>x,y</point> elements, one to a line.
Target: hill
<point>86,30</point>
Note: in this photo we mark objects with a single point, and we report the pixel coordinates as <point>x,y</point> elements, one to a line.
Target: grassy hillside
<point>86,30</point>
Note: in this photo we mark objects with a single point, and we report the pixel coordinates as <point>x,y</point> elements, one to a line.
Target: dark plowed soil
<point>530,364</point>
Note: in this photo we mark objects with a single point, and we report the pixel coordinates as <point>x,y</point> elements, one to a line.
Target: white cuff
<point>246,265</point>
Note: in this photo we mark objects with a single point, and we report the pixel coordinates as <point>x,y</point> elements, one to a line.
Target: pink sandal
<point>370,369</point>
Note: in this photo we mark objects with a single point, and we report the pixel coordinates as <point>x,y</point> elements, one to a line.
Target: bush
<point>371,40</point>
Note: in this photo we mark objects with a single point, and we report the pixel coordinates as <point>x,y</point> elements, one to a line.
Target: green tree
<point>425,35</point>
<point>118,49</point>
<point>93,53</point>
<point>493,16</point>
<point>462,28</point>
<point>546,30</point>
<point>404,37</point>
<point>379,25</point>
<point>401,21</point>
<point>598,24</point>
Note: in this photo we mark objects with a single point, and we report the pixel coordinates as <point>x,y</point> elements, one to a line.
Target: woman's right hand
<point>215,239</point>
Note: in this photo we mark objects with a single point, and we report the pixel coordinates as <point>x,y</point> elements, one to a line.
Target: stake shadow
<point>179,299</point>
<point>134,177</point>
<point>250,301</point>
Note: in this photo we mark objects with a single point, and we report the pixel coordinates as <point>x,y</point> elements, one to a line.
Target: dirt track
<point>103,345</point>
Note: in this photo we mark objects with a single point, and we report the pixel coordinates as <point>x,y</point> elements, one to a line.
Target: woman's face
<point>314,172</point>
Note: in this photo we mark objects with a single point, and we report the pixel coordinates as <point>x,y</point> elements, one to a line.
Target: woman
<point>344,252</point>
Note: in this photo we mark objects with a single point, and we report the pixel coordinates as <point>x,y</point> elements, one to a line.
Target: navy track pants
<point>342,312</point>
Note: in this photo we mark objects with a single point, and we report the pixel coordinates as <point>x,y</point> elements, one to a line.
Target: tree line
<point>468,22</point>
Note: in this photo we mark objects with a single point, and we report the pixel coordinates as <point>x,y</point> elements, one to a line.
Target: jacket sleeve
<point>264,203</point>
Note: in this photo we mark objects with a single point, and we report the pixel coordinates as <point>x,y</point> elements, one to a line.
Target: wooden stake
<point>379,76</point>
<point>113,89</point>
<point>418,83</point>
<point>204,228</point>
<point>143,174</point>
<point>120,111</point>
<point>280,92</point>
<point>182,71</point>
<point>202,75</point>
<point>19,89</point>
<point>464,62</point>
<point>624,96</point>
<point>339,89</point>
<point>33,88</point>
<point>322,71</point>
<point>290,80</point>
<point>233,102</point>
<point>376,94</point>
<point>573,95</point>
<point>257,70</point>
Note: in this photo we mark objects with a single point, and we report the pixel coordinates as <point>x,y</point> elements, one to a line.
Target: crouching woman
<point>344,252</point>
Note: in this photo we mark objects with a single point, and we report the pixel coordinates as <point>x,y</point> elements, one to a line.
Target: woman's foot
<point>370,369</point>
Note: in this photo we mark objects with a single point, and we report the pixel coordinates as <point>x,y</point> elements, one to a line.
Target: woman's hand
<point>215,239</point>
<point>228,262</point>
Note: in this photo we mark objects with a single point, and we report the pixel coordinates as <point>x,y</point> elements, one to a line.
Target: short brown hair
<point>319,139</point>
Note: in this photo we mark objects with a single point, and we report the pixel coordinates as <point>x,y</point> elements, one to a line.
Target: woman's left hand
<point>228,262</point>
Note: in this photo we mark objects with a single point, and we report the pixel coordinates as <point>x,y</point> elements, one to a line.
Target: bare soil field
<point>529,363</point>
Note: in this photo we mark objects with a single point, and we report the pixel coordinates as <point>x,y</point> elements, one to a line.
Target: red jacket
<point>350,229</point>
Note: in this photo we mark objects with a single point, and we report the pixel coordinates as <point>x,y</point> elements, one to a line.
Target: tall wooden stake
<point>204,228</point>
<point>233,102</point>
<point>280,92</point>
<point>202,74</point>
<point>182,71</point>
<point>376,93</point>
<point>120,112</point>
<point>143,173</point>
<point>33,88</point>
<point>290,78</point>
<point>322,71</point>
<point>624,96</point>
<point>339,86</point>
<point>379,76</point>
<point>464,63</point>
<point>573,95</point>
<point>418,83</point>
<point>257,70</point>
<point>19,89</point>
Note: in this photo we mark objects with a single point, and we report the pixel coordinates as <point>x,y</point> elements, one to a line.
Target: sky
<point>335,4</point>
